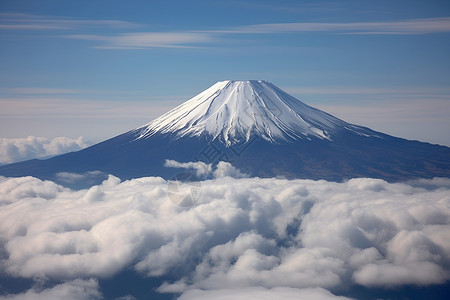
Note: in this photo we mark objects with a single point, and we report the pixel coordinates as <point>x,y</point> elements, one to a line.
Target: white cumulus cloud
<point>201,169</point>
<point>72,290</point>
<point>19,149</point>
<point>247,237</point>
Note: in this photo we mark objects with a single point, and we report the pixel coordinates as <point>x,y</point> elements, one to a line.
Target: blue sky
<point>99,68</point>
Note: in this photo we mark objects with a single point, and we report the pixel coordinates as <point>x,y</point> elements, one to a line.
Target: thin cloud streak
<point>14,21</point>
<point>39,91</point>
<point>354,90</point>
<point>413,26</point>
<point>418,110</point>
<point>75,108</point>
<point>144,40</point>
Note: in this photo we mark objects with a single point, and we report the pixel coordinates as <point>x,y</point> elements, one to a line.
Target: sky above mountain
<point>100,68</point>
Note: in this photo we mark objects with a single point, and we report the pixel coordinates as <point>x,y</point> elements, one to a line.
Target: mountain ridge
<point>319,146</point>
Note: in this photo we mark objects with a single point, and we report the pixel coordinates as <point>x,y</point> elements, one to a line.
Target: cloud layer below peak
<point>247,236</point>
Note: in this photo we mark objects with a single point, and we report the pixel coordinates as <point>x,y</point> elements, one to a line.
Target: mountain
<point>259,129</point>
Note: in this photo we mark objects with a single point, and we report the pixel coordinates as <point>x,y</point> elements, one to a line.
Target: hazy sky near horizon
<point>99,68</point>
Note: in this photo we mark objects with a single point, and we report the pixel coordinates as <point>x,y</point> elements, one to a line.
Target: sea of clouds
<point>19,149</point>
<point>245,238</point>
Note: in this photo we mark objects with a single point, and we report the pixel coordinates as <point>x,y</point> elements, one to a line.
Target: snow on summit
<point>233,111</point>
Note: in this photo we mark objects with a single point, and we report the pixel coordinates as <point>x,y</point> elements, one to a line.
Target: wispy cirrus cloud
<point>115,40</point>
<point>39,91</point>
<point>191,38</point>
<point>68,107</point>
<point>412,26</point>
<point>20,21</point>
<point>357,90</point>
<point>143,40</point>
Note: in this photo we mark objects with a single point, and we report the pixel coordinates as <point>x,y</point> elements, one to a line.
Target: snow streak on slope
<point>234,111</point>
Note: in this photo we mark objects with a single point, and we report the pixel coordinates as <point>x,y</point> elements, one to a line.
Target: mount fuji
<point>259,129</point>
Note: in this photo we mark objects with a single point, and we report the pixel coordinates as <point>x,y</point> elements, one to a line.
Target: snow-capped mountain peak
<point>234,111</point>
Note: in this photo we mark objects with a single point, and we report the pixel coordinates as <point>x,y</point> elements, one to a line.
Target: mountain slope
<point>258,128</point>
